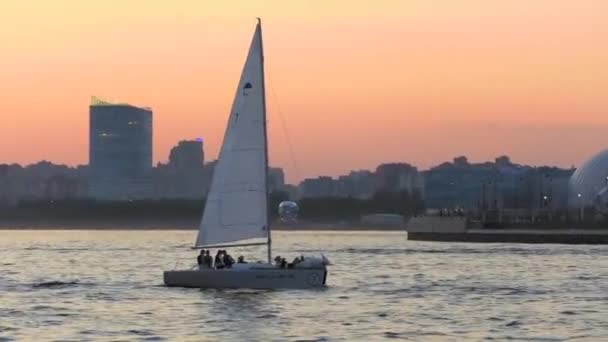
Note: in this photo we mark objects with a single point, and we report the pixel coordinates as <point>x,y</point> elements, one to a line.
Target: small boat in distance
<point>236,212</point>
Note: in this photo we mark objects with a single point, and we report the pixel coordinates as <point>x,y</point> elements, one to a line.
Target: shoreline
<point>457,229</point>
<point>537,236</point>
<point>170,224</point>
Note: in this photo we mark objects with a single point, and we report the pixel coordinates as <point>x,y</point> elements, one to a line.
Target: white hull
<point>256,276</point>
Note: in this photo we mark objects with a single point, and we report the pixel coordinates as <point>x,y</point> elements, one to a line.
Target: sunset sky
<point>358,82</point>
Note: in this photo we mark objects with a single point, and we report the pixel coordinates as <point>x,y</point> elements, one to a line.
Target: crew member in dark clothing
<point>241,260</point>
<point>207,260</point>
<point>199,259</point>
<point>219,259</point>
<point>295,261</point>
<point>228,260</point>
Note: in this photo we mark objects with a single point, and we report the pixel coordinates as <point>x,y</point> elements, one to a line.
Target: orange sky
<point>359,82</point>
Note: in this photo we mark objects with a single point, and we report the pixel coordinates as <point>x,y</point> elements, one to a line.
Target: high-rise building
<point>120,151</point>
<point>185,171</point>
<point>187,155</point>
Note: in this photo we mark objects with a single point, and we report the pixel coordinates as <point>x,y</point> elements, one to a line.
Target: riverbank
<point>455,229</point>
<point>169,224</point>
<point>562,236</point>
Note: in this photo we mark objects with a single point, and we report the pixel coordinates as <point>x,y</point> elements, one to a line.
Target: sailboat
<point>237,209</point>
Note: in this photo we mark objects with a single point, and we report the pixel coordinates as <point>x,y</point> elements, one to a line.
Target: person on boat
<point>199,259</point>
<point>207,260</point>
<point>241,260</point>
<point>280,262</point>
<point>219,260</point>
<point>296,261</point>
<point>228,260</point>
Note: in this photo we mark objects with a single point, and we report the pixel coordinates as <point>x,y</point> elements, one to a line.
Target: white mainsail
<point>237,202</point>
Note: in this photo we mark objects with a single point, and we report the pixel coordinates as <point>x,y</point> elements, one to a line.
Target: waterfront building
<point>496,186</point>
<point>588,186</point>
<point>458,184</point>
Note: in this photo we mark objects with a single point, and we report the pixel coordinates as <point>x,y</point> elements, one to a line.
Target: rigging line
<point>289,144</point>
<point>284,126</point>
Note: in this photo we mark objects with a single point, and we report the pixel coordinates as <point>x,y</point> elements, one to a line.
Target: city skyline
<point>388,80</point>
<point>460,160</point>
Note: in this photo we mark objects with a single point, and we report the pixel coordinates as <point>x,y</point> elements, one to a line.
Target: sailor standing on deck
<point>200,259</point>
<point>228,260</point>
<point>219,260</point>
<point>208,260</point>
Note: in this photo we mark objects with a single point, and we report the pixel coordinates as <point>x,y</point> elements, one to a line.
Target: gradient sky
<point>358,82</point>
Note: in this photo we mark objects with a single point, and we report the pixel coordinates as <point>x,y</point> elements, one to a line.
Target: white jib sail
<point>236,207</point>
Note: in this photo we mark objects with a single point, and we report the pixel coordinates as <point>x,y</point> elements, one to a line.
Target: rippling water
<point>107,285</point>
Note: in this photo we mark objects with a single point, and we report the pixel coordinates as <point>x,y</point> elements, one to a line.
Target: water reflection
<point>238,310</point>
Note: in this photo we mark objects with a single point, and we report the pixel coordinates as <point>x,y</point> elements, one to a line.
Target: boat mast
<point>265,144</point>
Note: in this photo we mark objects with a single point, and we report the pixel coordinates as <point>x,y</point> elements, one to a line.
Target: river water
<point>107,285</point>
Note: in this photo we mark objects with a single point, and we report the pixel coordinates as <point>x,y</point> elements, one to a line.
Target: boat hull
<point>251,278</point>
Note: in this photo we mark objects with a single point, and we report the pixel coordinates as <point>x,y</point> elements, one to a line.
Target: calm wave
<point>107,285</point>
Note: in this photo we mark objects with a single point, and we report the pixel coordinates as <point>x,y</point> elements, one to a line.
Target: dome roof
<point>588,180</point>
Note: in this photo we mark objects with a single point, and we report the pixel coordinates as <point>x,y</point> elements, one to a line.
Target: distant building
<point>187,155</point>
<point>276,179</point>
<point>548,188</point>
<point>292,191</point>
<point>41,181</point>
<point>357,184</point>
<point>500,187</point>
<point>11,184</point>
<point>120,151</point>
<point>503,161</point>
<point>460,184</point>
<point>461,161</point>
<point>363,184</point>
<point>184,177</point>
<point>396,177</point>
<point>317,187</point>
<point>589,183</point>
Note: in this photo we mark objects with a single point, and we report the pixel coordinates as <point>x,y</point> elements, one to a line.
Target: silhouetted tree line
<point>311,208</point>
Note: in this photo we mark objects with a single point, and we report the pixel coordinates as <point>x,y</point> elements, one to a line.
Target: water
<point>107,285</point>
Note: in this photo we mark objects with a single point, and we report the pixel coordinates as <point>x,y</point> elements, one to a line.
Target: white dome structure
<point>589,181</point>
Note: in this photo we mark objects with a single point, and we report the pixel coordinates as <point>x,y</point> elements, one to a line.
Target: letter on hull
<point>253,278</point>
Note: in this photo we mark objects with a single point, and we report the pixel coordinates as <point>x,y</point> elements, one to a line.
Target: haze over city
<point>358,82</point>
